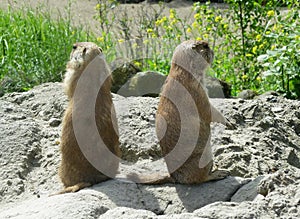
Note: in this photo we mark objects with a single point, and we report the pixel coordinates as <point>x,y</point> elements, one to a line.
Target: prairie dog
<point>183,119</point>
<point>76,171</point>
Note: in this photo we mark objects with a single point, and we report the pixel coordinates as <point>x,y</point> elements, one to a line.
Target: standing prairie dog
<point>75,171</point>
<point>183,119</point>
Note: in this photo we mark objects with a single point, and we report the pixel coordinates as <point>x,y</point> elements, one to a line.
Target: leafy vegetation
<point>239,35</point>
<point>34,48</point>
<point>256,43</point>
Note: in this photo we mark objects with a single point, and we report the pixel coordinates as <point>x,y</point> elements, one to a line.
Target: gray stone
<point>54,122</point>
<point>228,210</point>
<point>68,206</point>
<point>143,84</point>
<point>128,213</point>
<point>217,88</point>
<point>154,200</point>
<point>122,71</point>
<point>247,94</point>
<point>247,192</point>
<point>264,146</point>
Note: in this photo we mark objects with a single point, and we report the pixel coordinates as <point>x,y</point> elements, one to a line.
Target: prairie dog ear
<point>84,51</point>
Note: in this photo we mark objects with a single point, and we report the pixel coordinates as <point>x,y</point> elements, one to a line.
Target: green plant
<point>34,48</point>
<point>240,34</point>
<point>281,62</point>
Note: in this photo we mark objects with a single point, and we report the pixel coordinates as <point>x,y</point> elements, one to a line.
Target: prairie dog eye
<point>74,46</point>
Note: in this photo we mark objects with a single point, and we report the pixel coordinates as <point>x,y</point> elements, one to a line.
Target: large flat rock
<point>262,154</point>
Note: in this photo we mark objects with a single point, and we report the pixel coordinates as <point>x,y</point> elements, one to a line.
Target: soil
<point>83,11</point>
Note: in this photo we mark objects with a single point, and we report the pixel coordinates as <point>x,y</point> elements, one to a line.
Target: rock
<point>264,146</point>
<point>247,94</point>
<point>67,206</point>
<point>20,146</point>
<point>150,84</point>
<point>129,213</point>
<point>137,127</point>
<point>54,122</point>
<point>228,210</point>
<point>217,88</point>
<point>154,200</point>
<point>247,192</point>
<point>143,84</point>
<point>122,71</point>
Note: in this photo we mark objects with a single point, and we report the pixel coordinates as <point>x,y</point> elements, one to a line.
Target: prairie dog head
<point>81,55</point>
<point>194,56</point>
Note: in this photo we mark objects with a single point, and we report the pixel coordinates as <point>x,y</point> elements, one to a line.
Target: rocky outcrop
<point>147,83</point>
<point>262,154</point>
<point>150,83</point>
<point>122,71</point>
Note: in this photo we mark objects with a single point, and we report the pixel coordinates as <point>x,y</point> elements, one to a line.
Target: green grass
<point>258,52</point>
<point>34,48</point>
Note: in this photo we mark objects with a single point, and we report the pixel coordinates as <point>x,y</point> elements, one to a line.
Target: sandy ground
<point>83,11</point>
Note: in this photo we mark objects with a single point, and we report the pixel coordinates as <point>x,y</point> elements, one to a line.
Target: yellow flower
<point>273,47</point>
<point>297,37</point>
<point>197,16</point>
<point>164,18</point>
<point>172,11</point>
<point>121,40</point>
<point>205,35</point>
<point>169,27</point>
<point>254,49</point>
<point>195,24</point>
<point>98,6</point>
<point>258,79</point>
<point>258,38</point>
<point>218,19</point>
<point>158,22</point>
<point>261,46</point>
<point>199,38</point>
<point>208,29</point>
<point>100,39</point>
<point>153,35</point>
<point>274,27</point>
<point>172,14</point>
<point>225,26</point>
<point>244,77</point>
<point>138,64</point>
<point>271,13</point>
<point>149,30</point>
<point>268,32</point>
<point>249,55</point>
<point>73,32</point>
<point>173,22</point>
<point>189,30</point>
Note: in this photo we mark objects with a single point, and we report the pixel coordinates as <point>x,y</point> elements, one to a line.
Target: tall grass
<point>34,48</point>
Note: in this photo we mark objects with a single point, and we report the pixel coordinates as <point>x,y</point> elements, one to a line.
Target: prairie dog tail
<point>152,179</point>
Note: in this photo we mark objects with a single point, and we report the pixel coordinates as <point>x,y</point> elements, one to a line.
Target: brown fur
<point>189,62</point>
<point>75,170</point>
